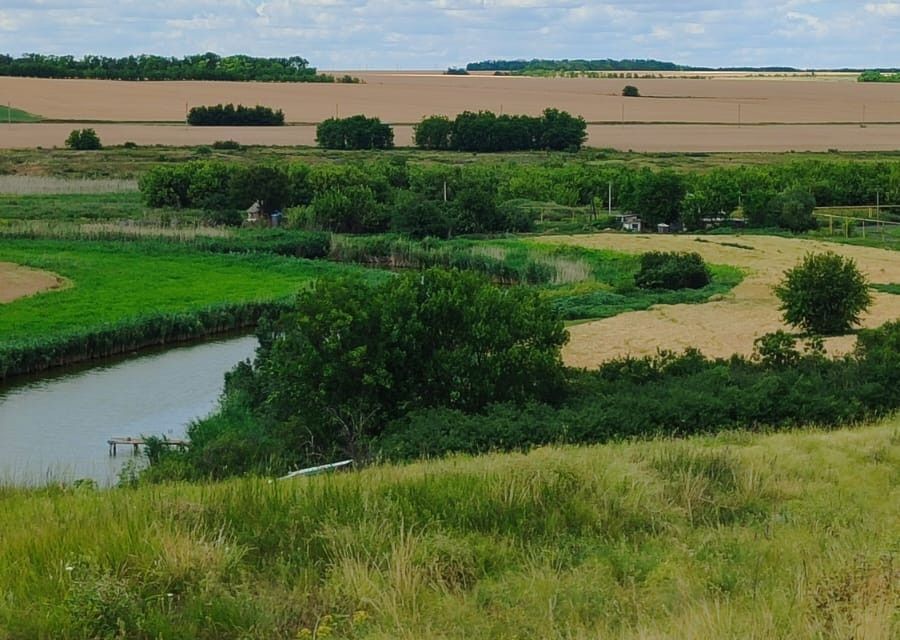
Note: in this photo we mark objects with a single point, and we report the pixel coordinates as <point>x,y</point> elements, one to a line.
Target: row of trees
<point>573,65</point>
<point>207,66</point>
<point>355,132</point>
<point>368,198</point>
<point>229,115</point>
<point>487,132</point>
<point>369,193</point>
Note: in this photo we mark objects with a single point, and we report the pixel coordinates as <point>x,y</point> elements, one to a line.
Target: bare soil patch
<point>17,281</point>
<point>728,325</point>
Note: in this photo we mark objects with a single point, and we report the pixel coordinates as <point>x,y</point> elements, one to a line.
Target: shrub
<point>631,91</point>
<point>227,145</point>
<point>825,294</point>
<point>433,133</point>
<point>487,132</point>
<point>348,357</point>
<point>672,270</point>
<point>355,132</point>
<point>84,140</point>
<point>229,115</point>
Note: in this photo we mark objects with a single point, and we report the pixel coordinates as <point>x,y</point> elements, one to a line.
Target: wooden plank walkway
<point>137,443</point>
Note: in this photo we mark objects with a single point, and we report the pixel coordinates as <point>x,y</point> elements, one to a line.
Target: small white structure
<point>630,222</point>
<point>254,211</point>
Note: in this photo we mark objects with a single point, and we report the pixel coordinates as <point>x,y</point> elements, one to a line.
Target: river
<point>55,428</point>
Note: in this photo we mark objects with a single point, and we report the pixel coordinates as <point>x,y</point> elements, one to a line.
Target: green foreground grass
<point>115,282</point>
<point>743,535</point>
<point>11,114</point>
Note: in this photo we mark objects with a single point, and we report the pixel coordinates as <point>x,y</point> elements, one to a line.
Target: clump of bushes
<point>355,132</point>
<point>227,145</point>
<point>485,131</point>
<point>672,270</point>
<point>240,116</point>
<point>631,91</point>
<point>83,140</point>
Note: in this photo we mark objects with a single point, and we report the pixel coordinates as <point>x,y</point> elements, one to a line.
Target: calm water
<point>56,428</point>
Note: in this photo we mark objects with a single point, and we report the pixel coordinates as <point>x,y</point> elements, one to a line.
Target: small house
<point>630,222</point>
<point>254,211</point>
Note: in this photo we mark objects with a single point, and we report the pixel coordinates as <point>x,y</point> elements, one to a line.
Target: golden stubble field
<point>729,325</point>
<point>17,281</point>
<point>675,114</point>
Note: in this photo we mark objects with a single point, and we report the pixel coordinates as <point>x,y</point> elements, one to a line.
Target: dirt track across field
<point>729,325</point>
<point>17,281</point>
<point>675,114</point>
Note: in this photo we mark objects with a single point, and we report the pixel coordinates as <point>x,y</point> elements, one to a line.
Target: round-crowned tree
<point>824,294</point>
<point>83,140</point>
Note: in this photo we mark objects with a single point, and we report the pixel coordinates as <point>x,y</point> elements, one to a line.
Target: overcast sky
<point>417,34</point>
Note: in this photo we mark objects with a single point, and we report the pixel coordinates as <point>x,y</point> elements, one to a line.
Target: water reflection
<point>56,428</point>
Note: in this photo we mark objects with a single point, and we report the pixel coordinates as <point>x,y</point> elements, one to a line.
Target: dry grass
<point>743,535</point>
<point>729,325</point>
<point>39,185</point>
<point>18,282</point>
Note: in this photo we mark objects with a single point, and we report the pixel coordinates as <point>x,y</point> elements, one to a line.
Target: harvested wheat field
<point>728,325</point>
<point>641,137</point>
<point>17,281</point>
<point>787,113</point>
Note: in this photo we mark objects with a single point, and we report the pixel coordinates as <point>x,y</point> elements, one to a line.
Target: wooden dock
<point>137,443</point>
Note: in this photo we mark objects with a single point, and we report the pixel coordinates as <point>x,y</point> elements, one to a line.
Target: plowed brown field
<point>676,114</point>
<point>18,282</point>
<point>729,325</point>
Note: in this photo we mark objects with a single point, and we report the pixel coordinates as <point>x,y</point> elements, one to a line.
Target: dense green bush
<point>355,132</point>
<point>485,131</point>
<point>84,140</point>
<point>631,91</point>
<point>230,116</point>
<point>669,395</point>
<point>347,357</point>
<point>825,294</point>
<point>672,270</point>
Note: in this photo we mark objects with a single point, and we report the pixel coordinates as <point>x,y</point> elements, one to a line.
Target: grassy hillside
<point>739,536</point>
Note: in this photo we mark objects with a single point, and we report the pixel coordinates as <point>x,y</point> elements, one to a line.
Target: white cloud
<point>438,33</point>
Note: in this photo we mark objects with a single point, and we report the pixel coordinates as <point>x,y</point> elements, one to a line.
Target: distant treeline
<point>486,132</point>
<point>573,65</point>
<point>206,66</point>
<point>240,116</point>
<point>442,200</point>
<point>541,65</point>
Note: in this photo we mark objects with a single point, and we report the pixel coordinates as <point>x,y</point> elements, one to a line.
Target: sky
<point>435,34</point>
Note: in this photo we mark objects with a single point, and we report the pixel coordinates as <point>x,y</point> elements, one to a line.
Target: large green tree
<point>824,294</point>
<point>349,357</point>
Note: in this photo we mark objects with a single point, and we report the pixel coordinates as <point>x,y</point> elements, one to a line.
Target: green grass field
<point>117,282</point>
<point>11,114</point>
<point>78,207</point>
<point>743,535</point>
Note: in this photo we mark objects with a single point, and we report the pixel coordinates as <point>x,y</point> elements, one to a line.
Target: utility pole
<point>609,199</point>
